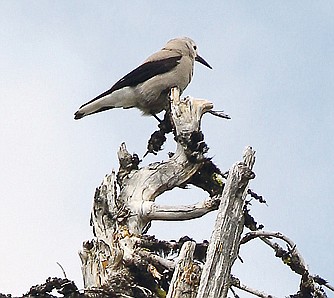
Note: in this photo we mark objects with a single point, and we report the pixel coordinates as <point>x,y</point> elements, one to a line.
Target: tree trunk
<point>225,239</point>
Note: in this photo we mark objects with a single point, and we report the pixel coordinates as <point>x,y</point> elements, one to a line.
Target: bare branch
<point>186,276</point>
<point>293,259</point>
<point>235,282</point>
<point>329,286</point>
<point>321,281</point>
<point>219,114</point>
<point>173,213</point>
<point>292,246</point>
<point>62,269</point>
<point>155,259</point>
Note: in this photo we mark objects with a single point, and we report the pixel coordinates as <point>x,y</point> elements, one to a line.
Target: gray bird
<point>147,86</point>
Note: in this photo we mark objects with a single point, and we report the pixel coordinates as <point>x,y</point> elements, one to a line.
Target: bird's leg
<point>156,117</point>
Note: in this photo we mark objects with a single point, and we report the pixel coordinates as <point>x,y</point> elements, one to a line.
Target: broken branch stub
<point>225,239</point>
<point>185,279</point>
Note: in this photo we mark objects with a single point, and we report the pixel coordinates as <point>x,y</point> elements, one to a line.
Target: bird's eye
<point>195,48</point>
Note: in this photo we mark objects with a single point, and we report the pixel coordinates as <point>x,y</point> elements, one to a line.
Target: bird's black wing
<point>146,71</point>
<point>141,74</point>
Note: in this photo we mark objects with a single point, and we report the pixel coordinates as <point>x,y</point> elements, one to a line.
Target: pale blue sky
<point>272,72</point>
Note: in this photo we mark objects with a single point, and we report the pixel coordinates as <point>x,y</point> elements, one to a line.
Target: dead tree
<point>124,206</point>
<point>122,261</point>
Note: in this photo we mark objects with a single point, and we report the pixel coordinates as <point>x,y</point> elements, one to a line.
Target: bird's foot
<point>156,117</point>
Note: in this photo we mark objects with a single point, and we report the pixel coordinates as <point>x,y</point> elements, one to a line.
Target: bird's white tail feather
<point>123,98</point>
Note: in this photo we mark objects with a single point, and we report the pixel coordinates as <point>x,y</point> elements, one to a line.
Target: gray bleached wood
<point>124,204</point>
<point>225,239</point>
<point>160,212</point>
<point>185,279</point>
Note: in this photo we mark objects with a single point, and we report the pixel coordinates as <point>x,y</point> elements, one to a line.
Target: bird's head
<point>186,47</point>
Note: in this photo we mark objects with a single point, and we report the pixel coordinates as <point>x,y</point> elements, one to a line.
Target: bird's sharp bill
<point>201,60</point>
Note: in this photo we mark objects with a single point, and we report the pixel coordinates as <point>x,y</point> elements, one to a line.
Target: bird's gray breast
<point>153,93</point>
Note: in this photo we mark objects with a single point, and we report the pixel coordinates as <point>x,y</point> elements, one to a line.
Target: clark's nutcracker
<point>147,86</point>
